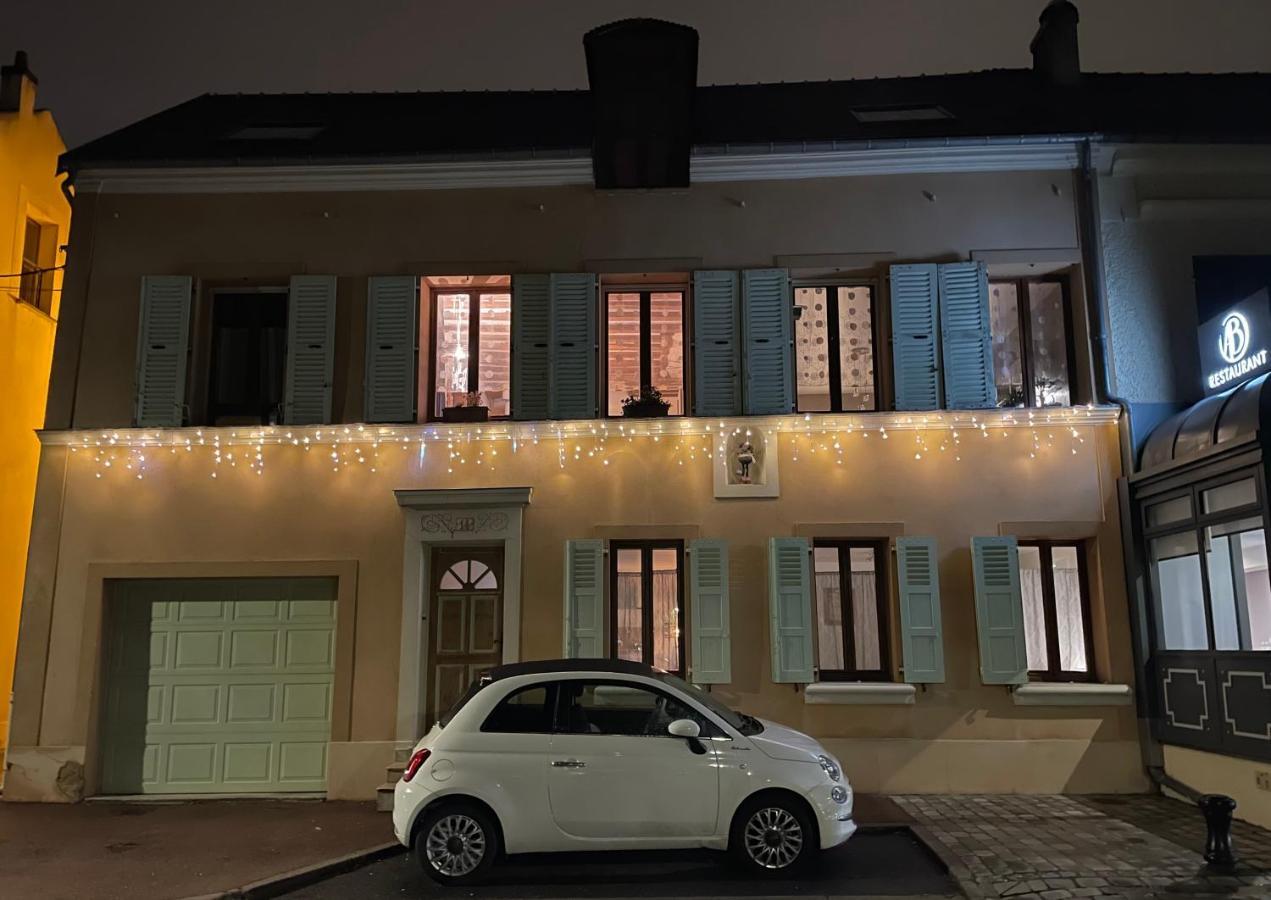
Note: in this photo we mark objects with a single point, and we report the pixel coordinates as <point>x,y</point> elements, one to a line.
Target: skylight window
<point>901,114</point>
<point>277,133</point>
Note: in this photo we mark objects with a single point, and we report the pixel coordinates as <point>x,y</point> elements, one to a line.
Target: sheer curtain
<point>865,620</point>
<point>630,621</point>
<point>666,621</point>
<point>1030,585</point>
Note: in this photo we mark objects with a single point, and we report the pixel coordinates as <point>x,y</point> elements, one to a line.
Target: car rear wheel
<point>773,836</point>
<point>457,843</point>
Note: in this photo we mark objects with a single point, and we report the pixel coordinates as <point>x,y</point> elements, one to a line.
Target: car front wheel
<point>773,836</point>
<point>457,843</point>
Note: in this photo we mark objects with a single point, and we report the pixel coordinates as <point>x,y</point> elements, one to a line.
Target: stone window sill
<point>860,693</point>
<point>1078,694</point>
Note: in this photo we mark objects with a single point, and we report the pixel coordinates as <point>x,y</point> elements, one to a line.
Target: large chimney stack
<point>1055,56</point>
<point>17,86</point>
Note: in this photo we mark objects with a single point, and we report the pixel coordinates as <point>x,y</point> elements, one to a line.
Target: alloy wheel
<point>774,837</point>
<point>455,845</point>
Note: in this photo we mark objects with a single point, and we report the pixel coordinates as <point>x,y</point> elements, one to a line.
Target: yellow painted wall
<point>29,187</point>
<point>1212,773</point>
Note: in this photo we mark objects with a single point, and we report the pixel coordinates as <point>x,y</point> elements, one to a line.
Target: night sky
<point>103,64</point>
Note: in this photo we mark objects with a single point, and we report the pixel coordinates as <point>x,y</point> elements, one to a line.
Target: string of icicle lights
<point>133,452</point>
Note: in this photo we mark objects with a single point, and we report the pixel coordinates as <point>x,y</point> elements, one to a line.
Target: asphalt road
<point>873,863</point>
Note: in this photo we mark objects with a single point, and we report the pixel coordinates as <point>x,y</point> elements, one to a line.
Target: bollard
<point>1217,809</point>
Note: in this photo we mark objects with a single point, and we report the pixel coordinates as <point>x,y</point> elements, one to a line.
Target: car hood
<point>781,742</point>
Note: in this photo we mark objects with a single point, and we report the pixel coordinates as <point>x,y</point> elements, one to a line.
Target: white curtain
<point>865,631</point>
<point>666,624</point>
<point>1030,585</point>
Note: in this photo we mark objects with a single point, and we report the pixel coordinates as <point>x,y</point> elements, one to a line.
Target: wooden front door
<point>465,632</point>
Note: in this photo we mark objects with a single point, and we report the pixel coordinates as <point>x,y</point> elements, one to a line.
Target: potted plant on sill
<point>647,404</point>
<point>470,410</point>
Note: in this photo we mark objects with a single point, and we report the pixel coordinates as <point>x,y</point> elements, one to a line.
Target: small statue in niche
<point>744,456</point>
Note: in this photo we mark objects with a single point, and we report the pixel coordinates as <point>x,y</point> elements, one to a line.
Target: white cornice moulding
<point>1053,693</point>
<point>466,498</point>
<point>860,693</point>
<point>705,168</point>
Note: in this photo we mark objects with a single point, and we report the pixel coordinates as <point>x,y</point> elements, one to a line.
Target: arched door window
<point>469,575</point>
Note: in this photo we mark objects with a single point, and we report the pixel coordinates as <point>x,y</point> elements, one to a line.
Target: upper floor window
<point>834,349</point>
<point>1056,601</point>
<point>38,258</point>
<point>644,341</point>
<point>248,356</point>
<point>1032,349</point>
<point>646,602</point>
<point>850,595</point>
<point>471,321</point>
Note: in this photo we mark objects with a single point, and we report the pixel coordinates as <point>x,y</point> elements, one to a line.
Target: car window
<point>620,708</point>
<point>526,710</point>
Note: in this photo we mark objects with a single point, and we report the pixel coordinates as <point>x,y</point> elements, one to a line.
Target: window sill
<point>860,693</point>
<point>1057,694</point>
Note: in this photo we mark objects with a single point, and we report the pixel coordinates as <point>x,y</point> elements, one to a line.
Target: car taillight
<point>417,759</point>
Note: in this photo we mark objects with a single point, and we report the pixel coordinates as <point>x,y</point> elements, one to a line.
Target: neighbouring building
<point>353,397</point>
<point>35,215</point>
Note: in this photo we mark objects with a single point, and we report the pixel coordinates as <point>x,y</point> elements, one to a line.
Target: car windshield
<point>747,725</point>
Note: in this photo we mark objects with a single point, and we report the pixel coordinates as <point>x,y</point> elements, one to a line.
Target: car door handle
<point>568,764</point>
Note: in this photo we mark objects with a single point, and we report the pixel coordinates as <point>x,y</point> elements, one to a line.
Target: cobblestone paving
<point>1056,848</point>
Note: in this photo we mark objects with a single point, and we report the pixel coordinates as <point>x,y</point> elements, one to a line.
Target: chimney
<point>643,77</point>
<point>1055,57</point>
<point>17,86</point>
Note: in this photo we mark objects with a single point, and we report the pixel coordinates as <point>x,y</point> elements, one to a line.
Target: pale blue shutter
<point>766,335</point>
<point>922,642</point>
<point>531,346</point>
<point>999,612</point>
<point>392,339</point>
<point>163,338</point>
<point>310,350</point>
<point>716,354</point>
<point>585,599</point>
<point>914,320</point>
<point>573,357</point>
<point>966,344</point>
<point>790,613</point>
<point>708,581</point>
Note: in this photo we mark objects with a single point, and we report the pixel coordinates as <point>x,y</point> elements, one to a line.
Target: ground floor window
<point>1057,636</point>
<point>646,602</point>
<point>851,610</point>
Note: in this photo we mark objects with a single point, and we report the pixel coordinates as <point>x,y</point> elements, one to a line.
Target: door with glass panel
<point>465,633</point>
<point>850,595</point>
<point>834,348</point>
<point>646,603</point>
<point>644,347</point>
<point>471,346</point>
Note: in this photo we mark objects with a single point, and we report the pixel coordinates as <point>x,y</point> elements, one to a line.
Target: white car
<point>609,755</point>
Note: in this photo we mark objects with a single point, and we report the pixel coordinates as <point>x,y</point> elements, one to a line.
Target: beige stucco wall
<point>1212,773</point>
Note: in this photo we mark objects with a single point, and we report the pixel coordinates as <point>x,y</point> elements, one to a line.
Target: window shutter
<point>573,351</point>
<point>790,596</point>
<point>310,349</point>
<point>716,360</point>
<point>766,334</point>
<point>163,338</point>
<point>531,346</point>
<point>914,319</point>
<point>966,344</point>
<point>585,599</point>
<point>392,336</point>
<point>999,612</point>
<point>708,580</point>
<point>921,639</point>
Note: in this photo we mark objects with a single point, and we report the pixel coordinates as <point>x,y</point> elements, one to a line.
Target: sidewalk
<point>1059,847</point>
<point>152,850</point>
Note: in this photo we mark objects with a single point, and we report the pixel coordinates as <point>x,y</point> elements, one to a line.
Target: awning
<point>1217,423</point>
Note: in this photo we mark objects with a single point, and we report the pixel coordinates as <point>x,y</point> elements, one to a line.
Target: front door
<point>465,615</point>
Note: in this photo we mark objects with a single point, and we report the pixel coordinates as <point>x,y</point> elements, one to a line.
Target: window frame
<point>833,355</point>
<point>1197,523</point>
<point>474,340</point>
<point>43,263</point>
<point>210,411</point>
<point>1053,672</point>
<point>552,704</point>
<point>710,730</point>
<point>1023,304</point>
<point>646,292</point>
<point>882,596</point>
<point>646,548</point>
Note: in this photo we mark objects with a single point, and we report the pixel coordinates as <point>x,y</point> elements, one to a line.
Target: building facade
<point>34,220</point>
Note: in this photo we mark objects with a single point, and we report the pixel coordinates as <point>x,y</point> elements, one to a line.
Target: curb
<point>960,873</point>
<point>276,885</point>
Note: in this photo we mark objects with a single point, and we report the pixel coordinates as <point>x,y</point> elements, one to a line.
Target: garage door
<point>218,686</point>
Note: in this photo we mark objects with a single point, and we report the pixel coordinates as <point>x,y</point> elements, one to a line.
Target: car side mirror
<point>690,731</point>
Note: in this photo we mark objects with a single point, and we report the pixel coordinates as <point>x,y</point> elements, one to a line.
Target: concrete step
<point>401,754</point>
<point>395,771</point>
<point>384,798</point>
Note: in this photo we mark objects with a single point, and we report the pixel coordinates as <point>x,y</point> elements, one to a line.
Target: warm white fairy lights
<point>133,452</point>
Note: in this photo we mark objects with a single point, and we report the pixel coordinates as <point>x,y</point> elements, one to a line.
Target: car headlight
<point>830,766</point>
<point>838,794</point>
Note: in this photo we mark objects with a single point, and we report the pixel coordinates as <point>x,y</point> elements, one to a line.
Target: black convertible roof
<point>547,666</point>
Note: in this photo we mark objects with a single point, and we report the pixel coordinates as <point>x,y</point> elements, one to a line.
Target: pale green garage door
<point>218,685</point>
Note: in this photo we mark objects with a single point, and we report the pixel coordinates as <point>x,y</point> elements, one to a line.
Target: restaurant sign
<point>1234,344</point>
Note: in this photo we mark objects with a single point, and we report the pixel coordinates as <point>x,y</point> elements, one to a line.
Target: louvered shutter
<point>708,582</point>
<point>999,612</point>
<point>716,354</point>
<point>573,357</point>
<point>766,335</point>
<point>966,344</point>
<point>922,642</point>
<point>392,329</point>
<point>914,325</point>
<point>531,346</point>
<point>310,349</point>
<point>584,599</point>
<point>163,337</point>
<point>790,612</point>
